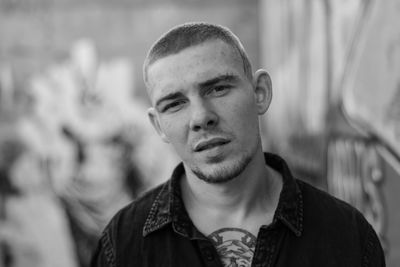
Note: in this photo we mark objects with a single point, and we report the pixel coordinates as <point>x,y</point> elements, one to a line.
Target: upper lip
<point>205,144</point>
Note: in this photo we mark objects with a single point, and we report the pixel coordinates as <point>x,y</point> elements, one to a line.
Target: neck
<point>255,191</point>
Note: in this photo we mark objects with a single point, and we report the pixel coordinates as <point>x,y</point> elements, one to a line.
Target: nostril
<point>211,123</point>
<point>196,128</point>
<point>206,125</point>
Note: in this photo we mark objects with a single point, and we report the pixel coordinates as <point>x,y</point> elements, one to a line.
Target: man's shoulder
<point>329,220</point>
<point>311,191</point>
<point>329,210</point>
<point>125,230</point>
<point>133,216</point>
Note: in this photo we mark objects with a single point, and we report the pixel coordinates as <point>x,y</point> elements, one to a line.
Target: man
<point>227,203</point>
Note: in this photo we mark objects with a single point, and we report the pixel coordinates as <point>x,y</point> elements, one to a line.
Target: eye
<point>173,106</point>
<point>219,90</point>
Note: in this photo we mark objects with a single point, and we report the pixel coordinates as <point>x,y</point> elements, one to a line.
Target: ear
<point>153,116</point>
<point>263,90</point>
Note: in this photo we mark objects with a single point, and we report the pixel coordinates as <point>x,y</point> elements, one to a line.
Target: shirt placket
<point>266,247</point>
<point>209,254</point>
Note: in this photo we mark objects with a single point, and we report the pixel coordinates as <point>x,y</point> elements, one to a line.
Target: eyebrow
<point>205,84</point>
<point>221,78</point>
<point>169,96</point>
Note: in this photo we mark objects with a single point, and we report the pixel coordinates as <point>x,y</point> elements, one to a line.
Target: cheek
<point>246,119</point>
<point>174,129</point>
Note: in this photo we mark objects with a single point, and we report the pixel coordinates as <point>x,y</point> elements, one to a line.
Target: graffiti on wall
<point>335,73</point>
<point>77,146</point>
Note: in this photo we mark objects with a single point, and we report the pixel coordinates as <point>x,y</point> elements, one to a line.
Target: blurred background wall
<point>75,143</point>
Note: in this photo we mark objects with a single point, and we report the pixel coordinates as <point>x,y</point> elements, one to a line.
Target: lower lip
<point>214,151</point>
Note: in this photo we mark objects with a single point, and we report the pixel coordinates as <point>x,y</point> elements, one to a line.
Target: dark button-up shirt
<point>309,228</point>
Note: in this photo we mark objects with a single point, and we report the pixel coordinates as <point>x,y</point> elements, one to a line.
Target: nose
<point>203,117</point>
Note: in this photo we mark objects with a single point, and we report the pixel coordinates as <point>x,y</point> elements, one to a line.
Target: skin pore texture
<point>207,109</point>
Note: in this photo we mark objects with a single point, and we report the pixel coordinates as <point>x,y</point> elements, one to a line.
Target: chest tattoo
<point>235,246</point>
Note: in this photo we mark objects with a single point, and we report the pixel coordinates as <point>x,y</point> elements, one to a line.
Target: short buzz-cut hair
<point>191,34</point>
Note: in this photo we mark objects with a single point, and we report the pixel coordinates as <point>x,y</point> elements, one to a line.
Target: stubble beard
<point>224,173</point>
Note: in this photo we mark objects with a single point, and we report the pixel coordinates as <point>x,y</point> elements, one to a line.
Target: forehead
<point>192,66</point>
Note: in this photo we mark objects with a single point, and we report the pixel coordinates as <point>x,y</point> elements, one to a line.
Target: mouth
<point>210,144</point>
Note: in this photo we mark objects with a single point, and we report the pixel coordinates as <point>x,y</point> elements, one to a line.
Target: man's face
<point>205,106</point>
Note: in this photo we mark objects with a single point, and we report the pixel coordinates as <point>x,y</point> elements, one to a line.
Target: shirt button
<point>208,254</point>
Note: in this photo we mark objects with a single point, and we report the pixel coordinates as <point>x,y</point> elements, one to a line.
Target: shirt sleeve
<point>104,255</point>
<point>373,255</point>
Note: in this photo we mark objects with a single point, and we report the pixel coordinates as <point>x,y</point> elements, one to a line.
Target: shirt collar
<point>290,205</point>
<point>168,206</point>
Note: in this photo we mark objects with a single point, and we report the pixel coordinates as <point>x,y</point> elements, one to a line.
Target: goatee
<point>223,174</point>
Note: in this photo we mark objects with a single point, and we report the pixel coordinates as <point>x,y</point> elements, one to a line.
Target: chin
<point>221,171</point>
